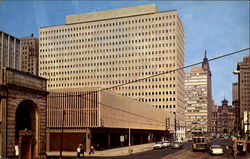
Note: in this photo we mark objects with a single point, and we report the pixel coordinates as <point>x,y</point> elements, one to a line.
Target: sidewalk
<point>123,151</point>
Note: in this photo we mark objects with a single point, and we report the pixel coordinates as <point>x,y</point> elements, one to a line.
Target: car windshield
<point>215,146</point>
<point>199,140</point>
<point>158,143</point>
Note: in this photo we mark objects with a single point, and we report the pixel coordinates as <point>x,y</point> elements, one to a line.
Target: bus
<point>200,142</point>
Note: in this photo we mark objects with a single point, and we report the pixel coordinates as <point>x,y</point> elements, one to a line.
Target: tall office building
<point>10,51</point>
<point>214,123</point>
<point>235,91</point>
<point>114,47</point>
<point>243,69</point>
<point>199,99</point>
<point>236,104</point>
<point>243,72</point>
<point>29,54</point>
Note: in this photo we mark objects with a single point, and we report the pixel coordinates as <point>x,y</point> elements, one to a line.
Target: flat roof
<point>107,19</point>
<point>113,13</point>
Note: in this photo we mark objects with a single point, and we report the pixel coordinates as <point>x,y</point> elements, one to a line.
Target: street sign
<point>84,138</point>
<point>167,123</point>
<point>122,138</point>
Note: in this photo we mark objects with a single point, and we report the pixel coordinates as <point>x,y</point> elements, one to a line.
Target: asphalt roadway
<point>184,153</point>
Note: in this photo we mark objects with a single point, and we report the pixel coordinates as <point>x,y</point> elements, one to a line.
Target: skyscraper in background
<point>29,54</point>
<point>244,84</point>
<point>198,98</point>
<point>10,51</point>
<point>243,103</point>
<point>236,104</point>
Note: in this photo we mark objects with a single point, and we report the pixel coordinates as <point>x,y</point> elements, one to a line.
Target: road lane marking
<point>179,155</point>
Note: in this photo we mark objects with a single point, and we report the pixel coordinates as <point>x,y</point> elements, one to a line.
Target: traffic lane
<point>206,155</point>
<point>226,144</point>
<point>189,154</point>
<point>151,154</point>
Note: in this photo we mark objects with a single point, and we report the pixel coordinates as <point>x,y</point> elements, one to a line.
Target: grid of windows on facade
<point>245,88</point>
<point>10,47</point>
<point>103,57</point>
<point>29,54</point>
<point>112,52</point>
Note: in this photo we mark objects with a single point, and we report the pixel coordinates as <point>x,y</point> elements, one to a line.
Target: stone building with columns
<point>22,114</point>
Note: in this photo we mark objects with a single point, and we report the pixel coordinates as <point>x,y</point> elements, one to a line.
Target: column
<point>108,140</point>
<point>88,140</point>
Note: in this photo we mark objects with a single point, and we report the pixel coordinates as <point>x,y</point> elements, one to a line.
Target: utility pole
<point>61,145</point>
<point>175,125</point>
<point>129,129</point>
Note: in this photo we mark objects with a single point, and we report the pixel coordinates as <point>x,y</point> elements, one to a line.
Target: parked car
<point>158,145</point>
<point>226,137</point>
<point>216,150</point>
<point>166,143</point>
<point>190,139</point>
<point>176,145</point>
<point>233,138</point>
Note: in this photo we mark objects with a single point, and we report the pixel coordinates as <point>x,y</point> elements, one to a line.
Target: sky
<point>220,27</point>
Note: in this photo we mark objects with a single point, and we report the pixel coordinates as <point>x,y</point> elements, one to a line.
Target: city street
<point>184,153</point>
<point>124,79</point>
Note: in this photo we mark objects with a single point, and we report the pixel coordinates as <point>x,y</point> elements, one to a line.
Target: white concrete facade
<point>199,101</point>
<point>109,48</point>
<point>87,108</point>
<point>9,51</point>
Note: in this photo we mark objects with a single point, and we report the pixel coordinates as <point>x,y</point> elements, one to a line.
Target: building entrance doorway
<point>26,129</point>
<point>225,131</point>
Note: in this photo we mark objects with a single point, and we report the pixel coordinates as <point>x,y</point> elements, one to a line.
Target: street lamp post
<point>175,125</point>
<point>61,145</point>
<point>129,129</point>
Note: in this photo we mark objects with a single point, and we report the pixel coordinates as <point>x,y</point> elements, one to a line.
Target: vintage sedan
<point>216,150</point>
<point>176,145</point>
<point>158,145</point>
<point>166,143</point>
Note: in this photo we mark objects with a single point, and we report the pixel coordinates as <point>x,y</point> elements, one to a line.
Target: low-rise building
<point>93,117</point>
<point>23,104</point>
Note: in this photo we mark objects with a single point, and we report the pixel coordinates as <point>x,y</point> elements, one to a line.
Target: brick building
<point>29,54</point>
<point>225,118</point>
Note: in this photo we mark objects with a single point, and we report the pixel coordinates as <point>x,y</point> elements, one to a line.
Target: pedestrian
<point>97,147</point>
<point>91,149</point>
<point>80,150</point>
<point>227,149</point>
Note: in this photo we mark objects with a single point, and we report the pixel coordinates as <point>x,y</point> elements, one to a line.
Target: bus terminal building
<point>92,117</point>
